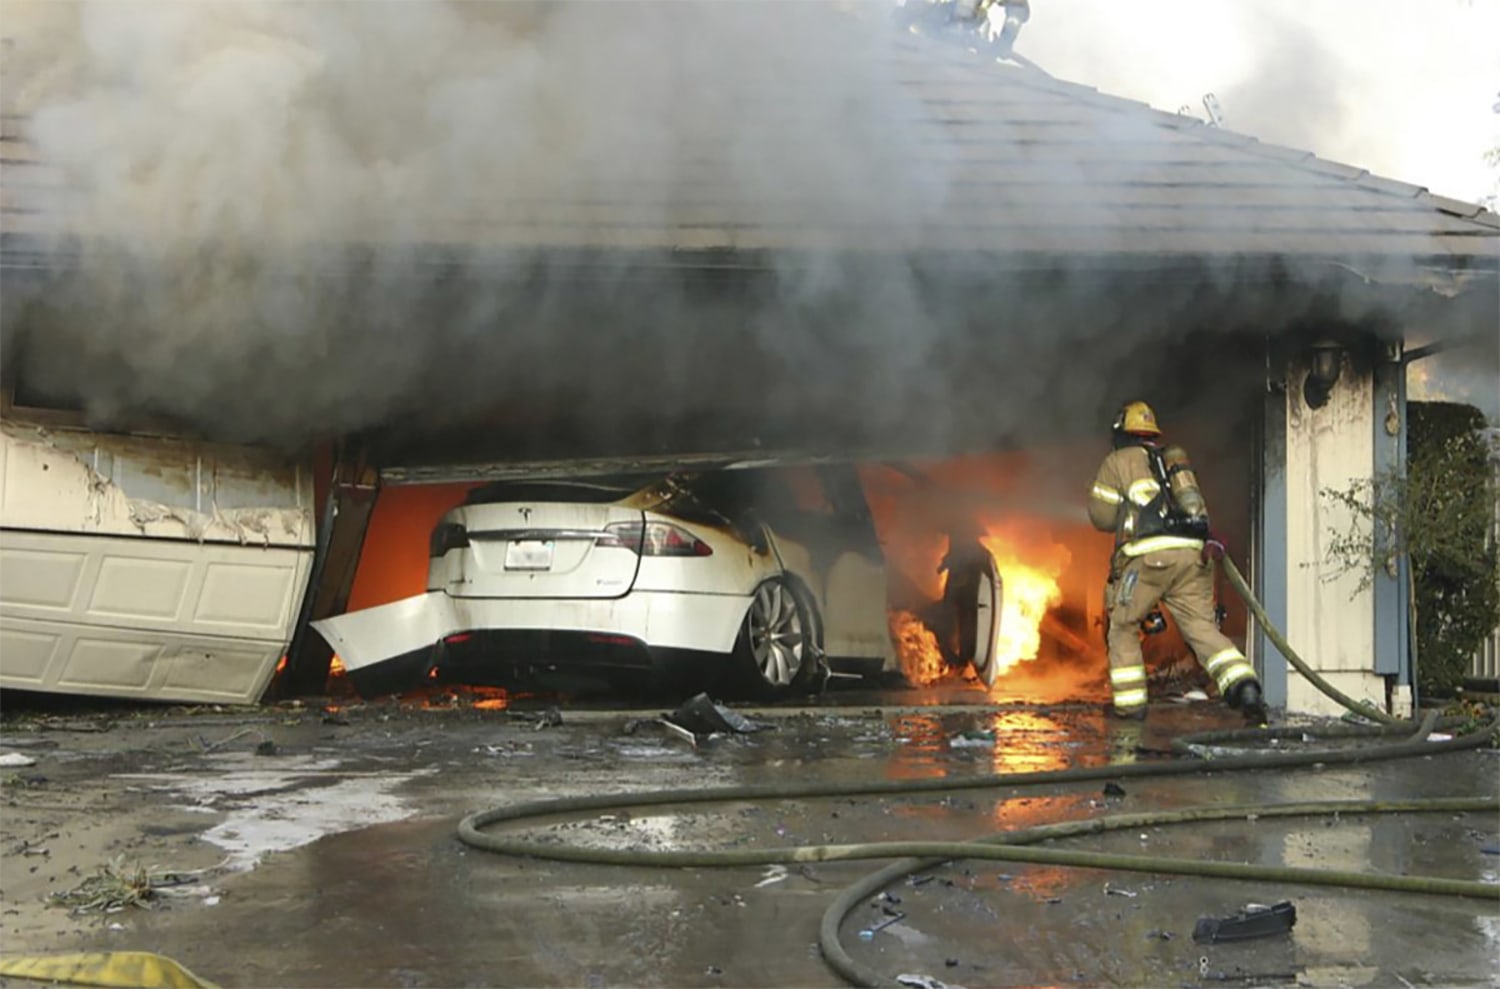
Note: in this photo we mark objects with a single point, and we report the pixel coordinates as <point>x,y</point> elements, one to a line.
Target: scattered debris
<point>894,917</point>
<point>550,718</point>
<point>267,747</point>
<point>1113,789</point>
<point>679,731</point>
<point>15,760</point>
<point>923,982</point>
<point>1159,935</point>
<point>1119,891</point>
<point>702,716</point>
<point>972,740</point>
<point>1255,921</point>
<point>1252,978</point>
<point>713,970</point>
<point>1490,850</point>
<point>117,886</point>
<point>208,746</point>
<point>50,724</point>
<point>29,743</point>
<point>773,874</point>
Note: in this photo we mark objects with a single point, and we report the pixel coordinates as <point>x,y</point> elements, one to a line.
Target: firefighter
<point>1165,553</point>
<point>964,564</point>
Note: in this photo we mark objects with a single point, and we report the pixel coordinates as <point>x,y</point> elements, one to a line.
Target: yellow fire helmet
<point>1138,419</point>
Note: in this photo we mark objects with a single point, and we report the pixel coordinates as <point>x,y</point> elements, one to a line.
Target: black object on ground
<point>701,716</point>
<point>1113,789</point>
<point>1252,922</point>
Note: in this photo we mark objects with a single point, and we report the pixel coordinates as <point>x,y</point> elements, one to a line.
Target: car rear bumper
<point>656,619</point>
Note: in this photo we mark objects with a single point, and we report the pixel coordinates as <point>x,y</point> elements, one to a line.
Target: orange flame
<point>1030,591</point>
<point>921,659</point>
<point>336,668</point>
<point>457,696</point>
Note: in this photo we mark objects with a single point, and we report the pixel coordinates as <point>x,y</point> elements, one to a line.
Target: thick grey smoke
<point>1297,96</point>
<point>292,221</point>
<point>246,158</point>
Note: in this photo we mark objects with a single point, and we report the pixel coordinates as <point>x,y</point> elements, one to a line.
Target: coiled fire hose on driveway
<point>1409,740</point>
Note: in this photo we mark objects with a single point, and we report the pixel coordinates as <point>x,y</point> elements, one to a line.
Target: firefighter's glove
<point>1213,549</point>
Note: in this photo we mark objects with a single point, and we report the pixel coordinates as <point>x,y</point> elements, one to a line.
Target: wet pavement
<point>330,857</point>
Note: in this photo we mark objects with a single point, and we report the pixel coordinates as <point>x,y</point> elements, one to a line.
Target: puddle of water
<point>285,806</point>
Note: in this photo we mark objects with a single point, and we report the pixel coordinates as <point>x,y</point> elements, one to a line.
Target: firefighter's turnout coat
<point>1153,563</point>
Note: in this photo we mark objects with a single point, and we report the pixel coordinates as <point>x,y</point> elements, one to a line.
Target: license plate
<point>529,555</point>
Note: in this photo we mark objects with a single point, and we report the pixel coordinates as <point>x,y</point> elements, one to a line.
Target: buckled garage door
<point>147,567</point>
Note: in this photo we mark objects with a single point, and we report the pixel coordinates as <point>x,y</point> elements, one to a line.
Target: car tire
<point>776,651</point>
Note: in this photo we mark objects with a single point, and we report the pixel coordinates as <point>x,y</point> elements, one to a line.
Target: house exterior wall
<point>147,567</point>
<point>1328,617</point>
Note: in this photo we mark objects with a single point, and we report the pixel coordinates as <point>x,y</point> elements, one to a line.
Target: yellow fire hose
<point>120,969</point>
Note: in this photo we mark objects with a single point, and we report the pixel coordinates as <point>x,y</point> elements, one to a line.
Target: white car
<point>756,581</point>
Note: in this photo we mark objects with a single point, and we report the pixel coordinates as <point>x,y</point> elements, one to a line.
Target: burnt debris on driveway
<point>332,860</point>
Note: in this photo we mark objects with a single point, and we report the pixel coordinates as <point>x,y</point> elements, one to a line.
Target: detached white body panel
<point>146,567</point>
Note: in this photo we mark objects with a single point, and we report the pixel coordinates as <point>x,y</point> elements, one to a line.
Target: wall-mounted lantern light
<point>1327,363</point>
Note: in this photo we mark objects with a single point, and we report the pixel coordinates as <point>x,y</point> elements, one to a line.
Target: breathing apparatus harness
<point>1171,512</point>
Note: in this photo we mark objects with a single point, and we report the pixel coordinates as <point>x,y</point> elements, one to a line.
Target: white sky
<point>1405,89</point>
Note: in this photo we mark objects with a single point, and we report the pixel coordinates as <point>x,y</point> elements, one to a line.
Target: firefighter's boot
<point>1250,702</point>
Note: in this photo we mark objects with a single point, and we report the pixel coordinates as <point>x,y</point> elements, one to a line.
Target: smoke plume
<point>568,222</point>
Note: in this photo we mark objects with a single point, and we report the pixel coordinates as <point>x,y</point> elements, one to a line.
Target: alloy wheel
<point>777,636</point>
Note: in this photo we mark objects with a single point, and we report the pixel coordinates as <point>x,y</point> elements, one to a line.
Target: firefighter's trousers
<point>1183,581</point>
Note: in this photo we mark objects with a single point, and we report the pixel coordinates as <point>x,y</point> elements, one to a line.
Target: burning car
<point>759,581</point>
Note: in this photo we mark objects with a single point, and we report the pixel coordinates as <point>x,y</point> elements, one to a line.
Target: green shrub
<point>1440,516</point>
<point>1454,565</point>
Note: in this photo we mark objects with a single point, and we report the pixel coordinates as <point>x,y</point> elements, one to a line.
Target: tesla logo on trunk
<point>525,514</point>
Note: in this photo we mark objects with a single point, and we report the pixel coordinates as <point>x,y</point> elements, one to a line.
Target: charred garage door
<point>147,567</point>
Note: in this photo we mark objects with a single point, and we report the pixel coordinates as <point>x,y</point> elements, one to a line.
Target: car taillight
<point>654,539</point>
<point>447,536</point>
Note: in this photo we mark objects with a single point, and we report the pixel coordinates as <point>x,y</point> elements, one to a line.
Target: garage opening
<point>1024,507</point>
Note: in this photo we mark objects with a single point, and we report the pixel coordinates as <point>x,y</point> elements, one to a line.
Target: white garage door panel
<point>218,669</point>
<point>245,596</point>
<point>38,578</point>
<point>133,587</point>
<point>25,656</point>
<point>203,588</point>
<point>148,618</point>
<point>55,656</point>
<point>95,662</point>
